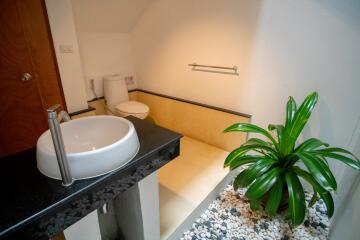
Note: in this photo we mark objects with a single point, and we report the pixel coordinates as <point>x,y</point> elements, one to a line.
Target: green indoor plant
<point>273,175</point>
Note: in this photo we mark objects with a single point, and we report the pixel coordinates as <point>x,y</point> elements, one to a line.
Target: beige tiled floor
<point>187,180</point>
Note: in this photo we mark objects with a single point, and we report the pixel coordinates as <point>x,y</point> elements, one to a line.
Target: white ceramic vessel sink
<point>94,146</point>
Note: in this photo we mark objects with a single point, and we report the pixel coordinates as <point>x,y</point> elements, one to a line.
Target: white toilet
<point>117,99</point>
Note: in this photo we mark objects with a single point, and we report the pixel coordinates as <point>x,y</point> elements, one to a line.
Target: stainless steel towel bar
<point>194,65</point>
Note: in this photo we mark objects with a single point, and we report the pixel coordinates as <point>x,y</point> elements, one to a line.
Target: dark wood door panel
<point>37,32</point>
<point>22,117</point>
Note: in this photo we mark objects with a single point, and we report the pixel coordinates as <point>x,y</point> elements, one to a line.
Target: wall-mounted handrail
<point>194,65</point>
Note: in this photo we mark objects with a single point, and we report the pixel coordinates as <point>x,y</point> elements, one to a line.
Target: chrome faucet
<point>63,116</point>
<point>54,120</point>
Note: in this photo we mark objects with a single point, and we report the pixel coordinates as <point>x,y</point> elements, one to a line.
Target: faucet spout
<point>54,124</point>
<point>63,116</point>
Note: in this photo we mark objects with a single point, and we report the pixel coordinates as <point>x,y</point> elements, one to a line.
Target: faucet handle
<point>53,108</point>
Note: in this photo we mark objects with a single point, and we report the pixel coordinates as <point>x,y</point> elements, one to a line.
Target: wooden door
<point>24,39</point>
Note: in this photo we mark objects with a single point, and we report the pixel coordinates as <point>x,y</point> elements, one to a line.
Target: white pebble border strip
<point>229,217</point>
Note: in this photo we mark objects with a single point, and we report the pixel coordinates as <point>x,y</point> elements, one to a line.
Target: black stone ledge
<point>37,207</point>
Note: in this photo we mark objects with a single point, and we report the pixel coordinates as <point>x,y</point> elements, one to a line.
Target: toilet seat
<point>132,107</point>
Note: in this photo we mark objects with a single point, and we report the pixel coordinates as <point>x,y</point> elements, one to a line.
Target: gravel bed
<point>230,217</point>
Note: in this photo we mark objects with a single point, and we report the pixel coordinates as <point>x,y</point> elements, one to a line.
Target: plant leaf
<point>248,175</point>
<point>255,204</point>
<point>279,131</point>
<point>257,141</point>
<point>238,152</point>
<point>244,178</point>
<point>290,160</point>
<point>324,160</point>
<point>293,130</point>
<point>263,183</point>
<point>319,170</point>
<point>243,149</point>
<point>267,154</point>
<point>329,202</point>
<point>338,150</point>
<point>267,145</point>
<point>248,127</point>
<point>313,199</point>
<point>348,161</point>
<point>296,198</point>
<point>237,162</point>
<point>275,195</point>
<point>310,144</point>
<point>325,195</point>
<point>291,109</point>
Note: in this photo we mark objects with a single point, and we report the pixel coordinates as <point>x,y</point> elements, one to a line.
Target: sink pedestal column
<point>134,214</point>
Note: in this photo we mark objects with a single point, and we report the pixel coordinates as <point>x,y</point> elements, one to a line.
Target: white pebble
<point>230,225</point>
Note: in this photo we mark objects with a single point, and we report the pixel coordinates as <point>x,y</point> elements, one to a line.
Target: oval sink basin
<point>93,145</point>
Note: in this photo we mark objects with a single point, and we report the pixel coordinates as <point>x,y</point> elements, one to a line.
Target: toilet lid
<point>132,107</point>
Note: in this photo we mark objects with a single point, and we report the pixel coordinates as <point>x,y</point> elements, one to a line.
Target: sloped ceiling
<point>107,15</point>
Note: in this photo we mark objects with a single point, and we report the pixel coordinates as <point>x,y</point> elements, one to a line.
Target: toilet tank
<point>115,90</point>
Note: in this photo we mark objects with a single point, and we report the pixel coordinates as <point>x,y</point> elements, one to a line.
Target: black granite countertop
<point>34,206</point>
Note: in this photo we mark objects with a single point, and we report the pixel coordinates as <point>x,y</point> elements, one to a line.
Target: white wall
<point>281,47</point>
<point>107,16</point>
<point>104,41</point>
<point>70,68</point>
<point>105,53</point>
<point>349,212</point>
